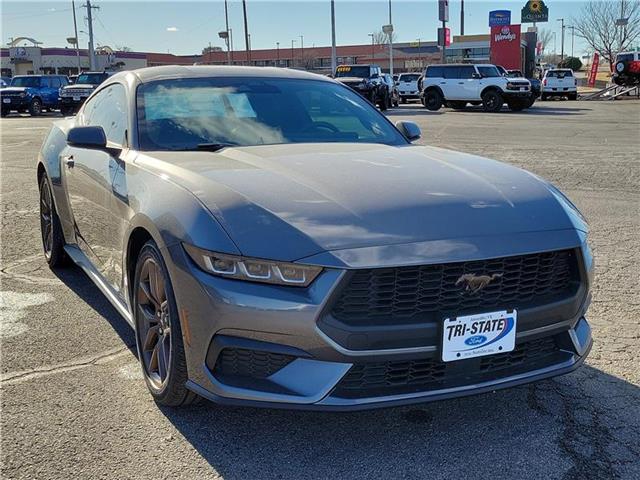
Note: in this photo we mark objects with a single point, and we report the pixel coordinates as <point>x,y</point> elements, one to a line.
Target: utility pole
<point>92,53</point>
<point>226,19</point>
<point>75,29</point>
<point>461,17</point>
<point>246,32</point>
<point>390,42</point>
<point>561,40</point>
<point>333,38</point>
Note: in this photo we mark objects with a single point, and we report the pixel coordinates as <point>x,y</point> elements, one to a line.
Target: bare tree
<point>545,37</point>
<point>381,38</point>
<point>123,48</point>
<point>596,23</point>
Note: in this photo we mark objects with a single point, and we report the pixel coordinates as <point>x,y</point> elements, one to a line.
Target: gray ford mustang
<point>274,240</point>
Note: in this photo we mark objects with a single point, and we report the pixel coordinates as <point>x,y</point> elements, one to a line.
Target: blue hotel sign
<point>498,18</point>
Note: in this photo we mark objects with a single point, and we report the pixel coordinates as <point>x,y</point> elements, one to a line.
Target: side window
<point>44,82</point>
<point>55,82</point>
<point>451,72</point>
<point>434,72</point>
<point>108,110</point>
<point>466,71</point>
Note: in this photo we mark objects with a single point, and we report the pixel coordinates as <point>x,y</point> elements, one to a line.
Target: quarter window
<point>434,72</point>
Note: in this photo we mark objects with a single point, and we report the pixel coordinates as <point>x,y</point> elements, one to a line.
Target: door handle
<point>68,159</point>
<point>443,83</point>
<point>460,83</point>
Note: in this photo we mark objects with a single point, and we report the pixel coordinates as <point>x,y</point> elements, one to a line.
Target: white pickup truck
<point>559,82</point>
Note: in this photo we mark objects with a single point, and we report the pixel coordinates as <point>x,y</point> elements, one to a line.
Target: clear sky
<point>186,27</point>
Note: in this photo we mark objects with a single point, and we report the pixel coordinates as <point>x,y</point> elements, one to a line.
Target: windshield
<point>25,82</point>
<point>488,71</point>
<point>180,114</point>
<point>412,77</point>
<point>352,71</point>
<point>624,57</point>
<point>90,78</point>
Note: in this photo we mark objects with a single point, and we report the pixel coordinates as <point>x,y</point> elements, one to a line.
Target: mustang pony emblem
<point>474,283</point>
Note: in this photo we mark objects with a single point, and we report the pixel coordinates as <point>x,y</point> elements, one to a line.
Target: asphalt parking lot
<point>74,403</point>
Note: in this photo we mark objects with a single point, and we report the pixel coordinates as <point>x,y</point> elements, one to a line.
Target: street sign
<point>444,37</point>
<point>387,29</point>
<point>499,17</point>
<point>443,10</point>
<point>534,11</point>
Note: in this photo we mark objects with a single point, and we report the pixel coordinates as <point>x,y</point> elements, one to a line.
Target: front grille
<point>241,362</point>
<point>432,292</point>
<point>391,378</point>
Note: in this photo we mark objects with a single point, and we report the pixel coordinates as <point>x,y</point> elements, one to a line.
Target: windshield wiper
<point>214,147</point>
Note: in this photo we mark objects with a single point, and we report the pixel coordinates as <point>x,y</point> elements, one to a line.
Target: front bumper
<point>15,102</point>
<point>281,358</point>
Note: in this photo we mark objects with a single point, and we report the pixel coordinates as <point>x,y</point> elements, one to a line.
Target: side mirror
<point>410,130</point>
<point>87,137</point>
<point>476,75</point>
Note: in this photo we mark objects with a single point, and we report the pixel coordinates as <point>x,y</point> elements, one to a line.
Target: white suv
<point>457,85</point>
<point>559,82</point>
<point>408,86</point>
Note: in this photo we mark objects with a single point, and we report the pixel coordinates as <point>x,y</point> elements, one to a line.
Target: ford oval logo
<point>475,340</point>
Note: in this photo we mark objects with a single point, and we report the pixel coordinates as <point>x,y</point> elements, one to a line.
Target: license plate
<point>76,99</point>
<point>478,335</point>
<point>6,100</point>
<point>523,89</point>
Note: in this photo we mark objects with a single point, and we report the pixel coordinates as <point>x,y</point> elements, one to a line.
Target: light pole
<point>561,40</point>
<point>372,35</point>
<point>461,17</point>
<point>573,33</point>
<point>226,19</point>
<point>333,38</point>
<point>75,29</point>
<point>390,41</point>
<point>293,63</point>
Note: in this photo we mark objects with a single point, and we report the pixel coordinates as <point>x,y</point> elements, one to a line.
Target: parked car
<point>393,97</point>
<point>5,81</point>
<point>627,69</point>
<point>559,82</point>
<point>73,96</point>
<point>535,83</point>
<point>32,93</point>
<point>366,80</point>
<point>275,240</point>
<point>456,85</point>
<point>408,86</point>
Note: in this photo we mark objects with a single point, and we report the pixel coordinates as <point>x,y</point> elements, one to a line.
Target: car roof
<point>151,74</point>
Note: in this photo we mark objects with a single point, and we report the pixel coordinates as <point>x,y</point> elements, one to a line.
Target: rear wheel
<point>492,101</point>
<point>433,100</point>
<point>158,332</point>
<point>573,96</point>
<point>35,108</point>
<point>50,228</point>
<point>384,102</point>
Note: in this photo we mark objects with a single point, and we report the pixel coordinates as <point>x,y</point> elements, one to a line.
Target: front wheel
<point>433,100</point>
<point>50,228</point>
<point>158,331</point>
<point>35,108</point>
<point>492,101</point>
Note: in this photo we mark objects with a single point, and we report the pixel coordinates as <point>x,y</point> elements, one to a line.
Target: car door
<point>452,90</point>
<point>96,184</point>
<point>467,84</point>
<point>50,89</point>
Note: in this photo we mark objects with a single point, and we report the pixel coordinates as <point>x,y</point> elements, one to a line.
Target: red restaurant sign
<point>505,46</point>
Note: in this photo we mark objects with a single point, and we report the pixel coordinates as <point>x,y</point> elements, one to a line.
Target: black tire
<point>67,111</point>
<point>4,112</point>
<point>492,101</point>
<point>50,228</point>
<point>35,108</point>
<point>383,102</point>
<point>621,67</point>
<point>530,101</point>
<point>156,319</point>
<point>544,97</point>
<point>457,105</point>
<point>433,100</point>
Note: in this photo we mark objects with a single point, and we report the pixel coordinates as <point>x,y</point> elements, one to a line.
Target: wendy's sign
<point>505,46</point>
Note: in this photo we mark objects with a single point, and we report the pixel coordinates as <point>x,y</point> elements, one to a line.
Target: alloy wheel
<point>46,218</point>
<point>154,323</point>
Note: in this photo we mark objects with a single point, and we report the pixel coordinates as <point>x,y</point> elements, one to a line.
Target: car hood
<point>80,86</point>
<point>351,79</point>
<point>287,202</point>
<point>15,89</point>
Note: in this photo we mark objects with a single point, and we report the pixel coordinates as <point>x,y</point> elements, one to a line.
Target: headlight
<point>253,269</point>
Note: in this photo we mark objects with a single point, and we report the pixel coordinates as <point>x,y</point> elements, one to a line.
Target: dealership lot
<point>74,403</point>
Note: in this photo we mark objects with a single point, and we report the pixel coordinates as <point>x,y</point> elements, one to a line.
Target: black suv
<point>73,96</point>
<point>367,81</point>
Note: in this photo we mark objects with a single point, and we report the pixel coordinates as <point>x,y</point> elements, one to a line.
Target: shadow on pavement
<point>541,110</point>
<point>553,429</point>
<point>74,278</point>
